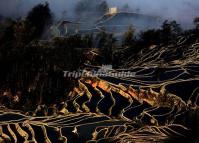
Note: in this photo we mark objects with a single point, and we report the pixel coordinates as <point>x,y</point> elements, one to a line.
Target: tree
<point>150,37</point>
<point>85,6</point>
<point>176,28</point>
<point>93,7</point>
<point>128,38</point>
<point>101,38</point>
<point>87,41</point>
<point>170,31</point>
<point>23,33</point>
<point>39,17</point>
<point>196,22</point>
<point>103,7</point>
<point>106,42</point>
<point>126,8</point>
<point>107,50</point>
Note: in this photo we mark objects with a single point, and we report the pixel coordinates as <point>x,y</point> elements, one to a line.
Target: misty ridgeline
<point>33,59</point>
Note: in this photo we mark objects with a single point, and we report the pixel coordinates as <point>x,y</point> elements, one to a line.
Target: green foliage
<point>150,37</point>
<point>94,6</point>
<point>87,41</point>
<point>126,7</point>
<point>170,31</point>
<point>39,17</point>
<point>128,38</point>
<point>103,7</point>
<point>104,39</point>
<point>106,42</point>
<point>196,22</point>
<point>27,62</point>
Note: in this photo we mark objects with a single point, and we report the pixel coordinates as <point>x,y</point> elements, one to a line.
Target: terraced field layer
<point>110,110</point>
<point>157,105</point>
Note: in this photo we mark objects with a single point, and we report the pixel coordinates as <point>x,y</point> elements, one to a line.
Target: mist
<point>183,11</point>
<point>20,8</point>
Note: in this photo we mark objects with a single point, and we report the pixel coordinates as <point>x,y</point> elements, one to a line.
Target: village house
<point>63,28</point>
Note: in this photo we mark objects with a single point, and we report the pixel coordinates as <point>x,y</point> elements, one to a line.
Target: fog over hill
<point>181,10</point>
